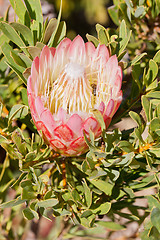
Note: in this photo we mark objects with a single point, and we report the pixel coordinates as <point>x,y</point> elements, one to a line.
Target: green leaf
<point>97,173</point>
<point>126,159</point>
<point>136,72</point>
<point>151,74</point>
<point>47,203</point>
<point>154,234</point>
<point>17,72</point>
<point>90,145</point>
<point>102,209</point>
<point>129,4</point>
<point>25,59</point>
<point>28,191</point>
<point>11,33</point>
<point>35,11</point>
<point>153,68</point>
<point>155,124</point>
<point>89,221</point>
<point>21,11</point>
<point>130,192</point>
<point>51,27</point>
<point>103,35</point>
<point>113,12</point>
<point>153,94</point>
<point>149,160</point>
<point>34,176</point>
<point>84,166</point>
<point>143,183</point>
<point>91,135</point>
<point>139,11</point>
<point>146,107</point>
<point>103,186</point>
<point>157,57</point>
<point>100,119</point>
<point>158,110</point>
<point>18,141</point>
<point>11,151</point>
<point>12,203</point>
<point>138,132</point>
<point>60,34</point>
<point>152,86</point>
<point>20,178</point>
<point>30,157</point>
<point>24,30</point>
<point>86,214</point>
<point>29,214</point>
<point>66,196</point>
<point>126,146</point>
<point>24,96</point>
<point>6,49</point>
<point>110,225</point>
<point>17,59</point>
<point>75,195</point>
<point>129,12</point>
<point>3,39</point>
<point>17,111</point>
<point>136,118</point>
<point>3,140</point>
<point>153,202</point>
<point>123,36</point>
<point>34,51</point>
<point>88,193</point>
<point>113,174</point>
<point>51,41</point>
<point>155,218</point>
<point>137,58</point>
<point>92,39</point>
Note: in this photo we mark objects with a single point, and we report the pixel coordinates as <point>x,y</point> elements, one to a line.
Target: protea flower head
<point>65,85</point>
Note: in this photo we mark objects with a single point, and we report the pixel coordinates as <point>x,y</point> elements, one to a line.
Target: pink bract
<point>66,84</point>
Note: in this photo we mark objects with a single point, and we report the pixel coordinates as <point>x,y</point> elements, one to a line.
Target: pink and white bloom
<point>65,85</point>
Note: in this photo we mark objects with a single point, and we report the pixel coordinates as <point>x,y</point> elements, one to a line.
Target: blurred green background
<point>82,15</point>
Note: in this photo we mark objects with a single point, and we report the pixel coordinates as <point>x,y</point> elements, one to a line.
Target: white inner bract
<point>75,87</point>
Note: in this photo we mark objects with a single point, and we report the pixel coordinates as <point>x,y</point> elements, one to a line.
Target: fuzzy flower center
<point>71,90</point>
<point>74,70</point>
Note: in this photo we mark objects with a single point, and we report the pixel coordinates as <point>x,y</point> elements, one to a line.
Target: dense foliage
<point>120,166</point>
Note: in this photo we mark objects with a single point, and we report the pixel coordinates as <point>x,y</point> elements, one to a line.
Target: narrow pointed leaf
<point>21,11</point>
<point>11,33</point>
<point>24,30</point>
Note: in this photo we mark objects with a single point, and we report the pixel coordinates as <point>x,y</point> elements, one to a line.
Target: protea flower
<point>65,85</point>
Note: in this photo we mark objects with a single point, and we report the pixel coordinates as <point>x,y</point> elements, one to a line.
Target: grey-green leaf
<point>88,193</point>
<point>47,203</point>
<point>110,225</point>
<point>155,218</point>
<point>103,208</point>
<point>137,58</point>
<point>11,33</point>
<point>24,30</point>
<point>17,111</point>
<point>29,214</point>
<point>103,186</point>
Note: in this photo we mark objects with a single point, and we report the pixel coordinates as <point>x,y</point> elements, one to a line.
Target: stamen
<point>76,87</point>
